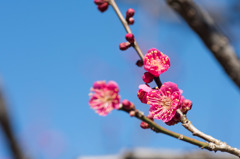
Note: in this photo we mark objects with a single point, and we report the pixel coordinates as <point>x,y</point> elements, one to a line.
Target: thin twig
<point>7,129</point>
<point>126,26</point>
<point>211,35</point>
<point>128,30</point>
<point>223,147</point>
<point>159,129</point>
<point>216,144</point>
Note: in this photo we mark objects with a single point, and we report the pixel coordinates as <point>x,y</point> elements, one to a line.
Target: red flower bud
<point>98,2</point>
<point>128,105</point>
<point>139,63</point>
<point>132,113</point>
<point>124,45</point>
<point>186,106</point>
<point>130,12</point>
<point>103,7</point>
<point>147,77</point>
<point>130,37</point>
<point>145,125</point>
<point>130,20</point>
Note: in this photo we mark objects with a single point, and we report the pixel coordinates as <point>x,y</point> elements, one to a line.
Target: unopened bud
<point>127,105</point>
<point>146,125</point>
<point>130,20</point>
<point>147,77</point>
<point>124,45</point>
<point>132,113</point>
<point>150,117</point>
<point>103,7</point>
<point>130,37</point>
<point>139,63</point>
<point>130,13</point>
<point>186,106</point>
<point>98,2</point>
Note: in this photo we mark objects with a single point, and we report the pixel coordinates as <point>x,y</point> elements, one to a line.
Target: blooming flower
<point>156,62</point>
<point>165,101</point>
<point>104,97</point>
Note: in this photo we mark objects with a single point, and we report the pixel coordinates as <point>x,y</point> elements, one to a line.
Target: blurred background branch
<point>8,131</point>
<point>211,35</point>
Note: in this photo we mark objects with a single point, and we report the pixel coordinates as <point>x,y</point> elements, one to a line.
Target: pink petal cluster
<point>156,62</point>
<point>165,101</point>
<point>104,97</point>
<point>142,93</point>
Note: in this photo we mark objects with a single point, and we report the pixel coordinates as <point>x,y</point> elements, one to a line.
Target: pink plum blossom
<point>156,62</point>
<point>104,97</point>
<point>165,101</point>
<point>142,93</point>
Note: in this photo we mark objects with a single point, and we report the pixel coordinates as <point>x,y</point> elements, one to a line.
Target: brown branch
<point>7,129</point>
<point>211,146</point>
<point>221,146</point>
<point>211,35</point>
<point>159,129</point>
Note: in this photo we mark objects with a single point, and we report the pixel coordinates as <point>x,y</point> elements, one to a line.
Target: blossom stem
<point>216,144</point>
<point>158,81</point>
<point>126,26</point>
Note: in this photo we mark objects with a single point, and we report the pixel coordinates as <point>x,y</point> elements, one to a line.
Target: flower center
<point>157,63</point>
<point>107,97</point>
<point>166,102</point>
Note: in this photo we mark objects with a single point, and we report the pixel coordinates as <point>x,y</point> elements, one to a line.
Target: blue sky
<point>51,52</point>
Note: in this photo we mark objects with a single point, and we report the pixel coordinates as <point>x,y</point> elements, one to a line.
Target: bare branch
<point>216,145</point>
<point>159,129</point>
<point>211,35</point>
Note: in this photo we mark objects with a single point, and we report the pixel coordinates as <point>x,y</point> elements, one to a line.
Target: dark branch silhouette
<point>8,131</point>
<point>210,34</point>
